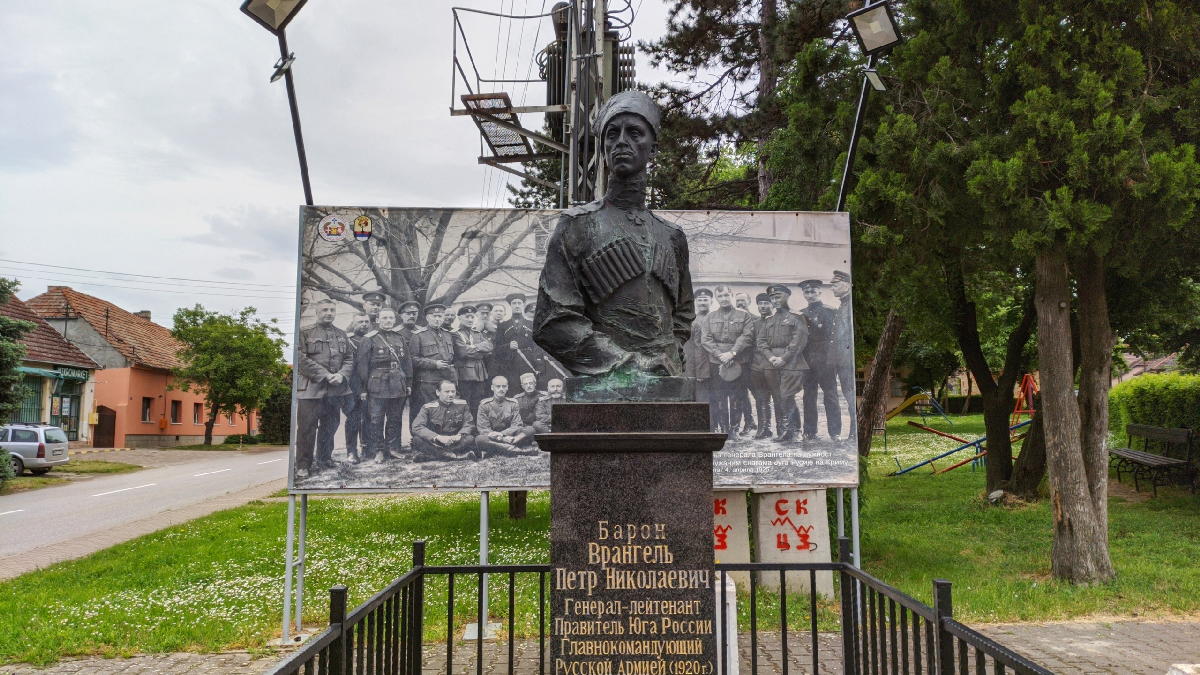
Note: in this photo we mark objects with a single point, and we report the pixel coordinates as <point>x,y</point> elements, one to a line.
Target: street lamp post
<point>274,15</point>
<point>875,28</point>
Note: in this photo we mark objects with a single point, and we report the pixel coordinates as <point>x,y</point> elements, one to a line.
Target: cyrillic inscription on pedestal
<point>633,586</point>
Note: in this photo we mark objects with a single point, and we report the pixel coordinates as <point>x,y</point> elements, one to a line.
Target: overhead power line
<point>162,290</point>
<point>150,276</point>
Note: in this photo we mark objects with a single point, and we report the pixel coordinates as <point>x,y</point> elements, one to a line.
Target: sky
<point>145,158</point>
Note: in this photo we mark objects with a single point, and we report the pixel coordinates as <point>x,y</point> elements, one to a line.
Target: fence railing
<point>875,629</point>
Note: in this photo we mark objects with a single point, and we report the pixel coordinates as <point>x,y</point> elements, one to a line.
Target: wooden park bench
<point>1173,458</point>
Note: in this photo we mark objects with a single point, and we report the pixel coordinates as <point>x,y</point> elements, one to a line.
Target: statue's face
<point>841,287</point>
<point>528,382</point>
<point>467,320</point>
<point>703,302</point>
<point>362,324</point>
<point>628,144</point>
<point>409,316</point>
<point>554,387</point>
<point>372,306</point>
<point>812,293</point>
<point>764,307</point>
<point>446,392</point>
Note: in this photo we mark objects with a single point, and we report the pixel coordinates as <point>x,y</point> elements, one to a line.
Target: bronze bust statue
<point>615,294</point>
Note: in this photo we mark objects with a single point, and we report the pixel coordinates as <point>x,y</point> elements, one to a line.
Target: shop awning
<point>71,374</point>
<point>40,372</point>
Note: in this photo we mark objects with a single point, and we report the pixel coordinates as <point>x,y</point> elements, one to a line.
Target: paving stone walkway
<point>1075,648</point>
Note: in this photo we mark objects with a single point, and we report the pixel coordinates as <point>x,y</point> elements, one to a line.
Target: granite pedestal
<point>633,586</point>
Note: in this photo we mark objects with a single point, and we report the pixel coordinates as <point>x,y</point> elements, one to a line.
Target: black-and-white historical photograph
<point>416,365</point>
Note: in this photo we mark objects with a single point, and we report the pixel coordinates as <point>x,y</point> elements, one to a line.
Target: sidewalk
<point>1074,648</point>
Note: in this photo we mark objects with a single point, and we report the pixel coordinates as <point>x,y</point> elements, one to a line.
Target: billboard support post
<point>299,563</point>
<point>287,569</point>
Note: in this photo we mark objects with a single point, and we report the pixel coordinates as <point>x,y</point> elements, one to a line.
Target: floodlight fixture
<point>875,27</point>
<point>274,15</point>
<point>282,66</point>
<point>873,77</point>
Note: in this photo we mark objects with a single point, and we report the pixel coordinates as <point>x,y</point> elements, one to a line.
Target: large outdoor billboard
<point>372,412</point>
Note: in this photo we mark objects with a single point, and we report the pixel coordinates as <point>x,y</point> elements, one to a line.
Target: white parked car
<point>37,447</point>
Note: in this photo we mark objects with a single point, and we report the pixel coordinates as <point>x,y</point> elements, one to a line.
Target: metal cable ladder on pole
<point>580,72</point>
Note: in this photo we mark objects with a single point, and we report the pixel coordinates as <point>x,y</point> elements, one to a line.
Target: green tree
<point>234,361</point>
<point>11,352</point>
<point>275,421</point>
<point>1097,168</point>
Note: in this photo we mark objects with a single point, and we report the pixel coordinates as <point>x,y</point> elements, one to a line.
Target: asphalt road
<point>41,527</point>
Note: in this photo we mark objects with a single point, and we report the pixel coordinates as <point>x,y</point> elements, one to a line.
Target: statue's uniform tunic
<point>428,346</point>
<point>528,401</point>
<point>615,284</point>
<point>383,369</point>
<point>503,417</point>
<point>821,371</point>
<point>324,351</point>
<point>471,348</point>
<point>843,353</point>
<point>442,419</point>
<point>785,335</point>
<point>727,330</point>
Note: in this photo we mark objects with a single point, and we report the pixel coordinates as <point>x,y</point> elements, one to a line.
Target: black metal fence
<point>871,628</point>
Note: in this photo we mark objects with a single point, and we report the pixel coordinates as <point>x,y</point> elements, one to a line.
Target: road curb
<point>88,451</point>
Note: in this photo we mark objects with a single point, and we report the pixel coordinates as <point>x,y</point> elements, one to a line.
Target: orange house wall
<point>122,389</point>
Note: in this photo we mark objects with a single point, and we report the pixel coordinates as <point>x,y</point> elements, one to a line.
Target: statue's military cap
<point>637,102</point>
<point>811,283</point>
<point>779,288</point>
<point>466,309</point>
<point>404,306</point>
<point>703,293</point>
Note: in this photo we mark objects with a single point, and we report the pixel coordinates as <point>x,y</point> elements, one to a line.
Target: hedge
<point>1167,400</point>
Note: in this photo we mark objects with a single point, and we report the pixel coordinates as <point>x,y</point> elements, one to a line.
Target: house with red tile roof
<point>136,404</point>
<point>58,377</point>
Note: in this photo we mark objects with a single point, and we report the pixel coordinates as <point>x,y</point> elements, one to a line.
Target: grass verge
<point>63,474</point>
<point>214,583</point>
<point>91,466</point>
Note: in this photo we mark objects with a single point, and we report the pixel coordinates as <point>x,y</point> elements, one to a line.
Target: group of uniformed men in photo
<point>453,372</point>
<point>770,355</point>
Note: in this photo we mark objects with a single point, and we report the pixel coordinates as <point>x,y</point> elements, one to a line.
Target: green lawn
<point>215,583</point>
<point>921,526</point>
<point>91,466</point>
<point>28,482</point>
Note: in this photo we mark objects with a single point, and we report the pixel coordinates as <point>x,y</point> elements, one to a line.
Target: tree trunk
<point>966,408</point>
<point>1080,550</point>
<point>996,392</point>
<point>208,427</point>
<point>876,386</point>
<point>1095,378</point>
<point>768,73</point>
<point>516,503</point>
<point>1031,463</point>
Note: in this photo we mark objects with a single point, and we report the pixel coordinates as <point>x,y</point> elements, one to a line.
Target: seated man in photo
<point>554,394</point>
<point>444,428</point>
<point>501,432</point>
<point>528,401</point>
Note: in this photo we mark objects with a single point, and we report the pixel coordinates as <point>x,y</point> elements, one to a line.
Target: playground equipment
<point>923,400</point>
<point>1024,403</point>
<point>977,444</point>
